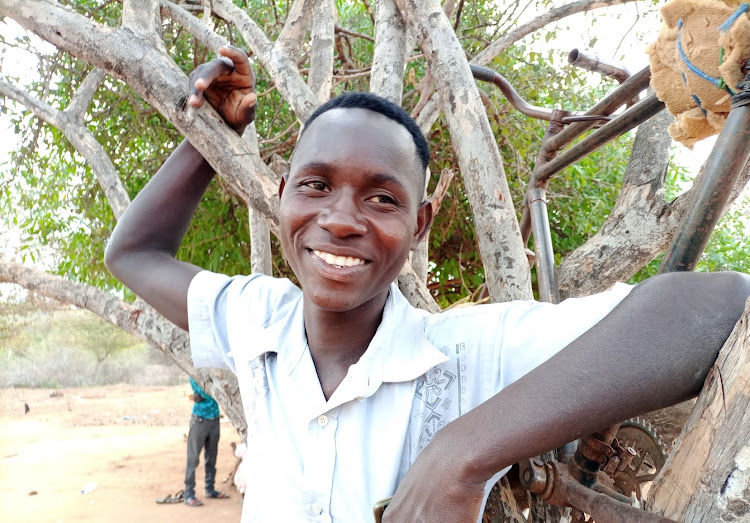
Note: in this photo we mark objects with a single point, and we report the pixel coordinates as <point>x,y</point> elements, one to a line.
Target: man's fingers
<point>239,59</point>
<point>212,70</point>
<point>247,107</point>
<point>248,101</point>
<point>195,96</point>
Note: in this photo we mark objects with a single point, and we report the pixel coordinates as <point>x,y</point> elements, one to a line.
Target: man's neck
<point>338,340</point>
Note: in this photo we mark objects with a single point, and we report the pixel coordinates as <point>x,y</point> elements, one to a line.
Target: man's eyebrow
<point>378,178</point>
<point>316,166</point>
<point>384,178</point>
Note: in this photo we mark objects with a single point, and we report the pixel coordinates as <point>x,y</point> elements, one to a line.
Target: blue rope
<point>718,82</point>
<point>727,25</point>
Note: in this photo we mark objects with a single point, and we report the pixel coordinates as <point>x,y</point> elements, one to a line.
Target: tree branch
<point>202,32</point>
<point>479,159</point>
<point>143,16</point>
<point>260,239</point>
<point>138,319</point>
<point>292,34</point>
<point>431,111</point>
<point>82,140</point>
<point>642,223</point>
<point>553,15</point>
<point>320,77</point>
<point>389,55</point>
<point>280,66</point>
<point>125,55</point>
<point>79,105</point>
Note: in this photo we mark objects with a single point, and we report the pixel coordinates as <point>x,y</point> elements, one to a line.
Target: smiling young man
<point>352,395</point>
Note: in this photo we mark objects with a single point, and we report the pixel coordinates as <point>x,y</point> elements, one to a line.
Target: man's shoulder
<point>258,288</point>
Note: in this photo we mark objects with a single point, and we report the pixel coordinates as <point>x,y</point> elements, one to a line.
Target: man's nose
<point>343,218</point>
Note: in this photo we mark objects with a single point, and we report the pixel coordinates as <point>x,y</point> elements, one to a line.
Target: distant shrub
<point>74,348</point>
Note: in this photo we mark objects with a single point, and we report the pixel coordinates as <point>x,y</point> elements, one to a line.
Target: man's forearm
<point>653,350</point>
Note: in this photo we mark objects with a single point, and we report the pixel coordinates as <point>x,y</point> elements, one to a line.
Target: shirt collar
<point>398,352</point>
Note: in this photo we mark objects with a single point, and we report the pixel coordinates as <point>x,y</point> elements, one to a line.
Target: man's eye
<point>382,198</point>
<point>318,186</point>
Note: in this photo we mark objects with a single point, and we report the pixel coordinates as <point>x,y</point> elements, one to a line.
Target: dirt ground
<point>129,440</point>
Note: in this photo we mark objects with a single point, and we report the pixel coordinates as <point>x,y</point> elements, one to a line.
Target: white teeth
<point>339,261</point>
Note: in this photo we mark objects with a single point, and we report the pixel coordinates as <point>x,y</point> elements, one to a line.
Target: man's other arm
<point>653,350</point>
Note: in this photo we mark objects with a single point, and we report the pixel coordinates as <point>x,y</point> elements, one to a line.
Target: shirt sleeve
<point>207,320</point>
<point>533,332</point>
<point>227,314</point>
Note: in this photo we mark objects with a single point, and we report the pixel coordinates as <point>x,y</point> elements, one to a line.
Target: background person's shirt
<point>208,408</point>
<point>313,459</point>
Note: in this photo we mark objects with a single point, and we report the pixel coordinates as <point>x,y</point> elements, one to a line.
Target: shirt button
<point>315,509</point>
<point>322,421</point>
<point>360,399</point>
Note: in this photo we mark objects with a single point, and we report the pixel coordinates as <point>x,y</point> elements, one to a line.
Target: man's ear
<point>424,221</point>
<point>282,184</point>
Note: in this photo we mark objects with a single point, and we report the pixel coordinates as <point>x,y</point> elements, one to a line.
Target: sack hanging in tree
<point>696,63</point>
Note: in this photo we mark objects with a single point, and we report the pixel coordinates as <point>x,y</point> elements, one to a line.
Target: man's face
<point>350,207</point>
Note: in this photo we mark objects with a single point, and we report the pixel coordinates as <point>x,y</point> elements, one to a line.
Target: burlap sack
<point>714,36</point>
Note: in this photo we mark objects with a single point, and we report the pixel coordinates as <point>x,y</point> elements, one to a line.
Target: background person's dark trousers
<point>204,434</point>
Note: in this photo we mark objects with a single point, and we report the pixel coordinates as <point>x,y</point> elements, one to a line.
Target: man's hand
<point>196,398</point>
<point>436,488</point>
<point>227,83</point>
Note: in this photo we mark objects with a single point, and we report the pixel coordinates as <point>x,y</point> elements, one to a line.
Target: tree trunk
<point>707,476</point>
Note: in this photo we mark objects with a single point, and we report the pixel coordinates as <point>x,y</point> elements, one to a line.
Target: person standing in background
<point>204,434</point>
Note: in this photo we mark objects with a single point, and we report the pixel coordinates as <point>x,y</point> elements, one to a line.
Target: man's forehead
<point>354,118</point>
<point>342,131</point>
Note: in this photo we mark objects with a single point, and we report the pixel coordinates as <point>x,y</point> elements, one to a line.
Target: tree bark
<point>431,110</point>
<point>321,57</point>
<point>641,224</point>
<point>707,476</point>
<point>498,234</point>
<point>389,55</point>
<point>292,34</point>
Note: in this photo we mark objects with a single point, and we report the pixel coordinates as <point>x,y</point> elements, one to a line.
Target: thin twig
<point>345,31</point>
<point>369,11</point>
<point>637,17</point>
<point>458,15</point>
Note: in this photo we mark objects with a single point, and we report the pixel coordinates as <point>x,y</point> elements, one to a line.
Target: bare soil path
<point>130,441</point>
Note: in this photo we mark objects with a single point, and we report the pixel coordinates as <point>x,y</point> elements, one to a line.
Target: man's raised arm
<point>141,251</point>
<point>653,350</point>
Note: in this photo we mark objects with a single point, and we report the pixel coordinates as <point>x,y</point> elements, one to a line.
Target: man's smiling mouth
<point>338,261</point>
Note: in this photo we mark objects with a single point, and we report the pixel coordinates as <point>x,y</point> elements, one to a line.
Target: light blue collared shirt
<point>328,461</point>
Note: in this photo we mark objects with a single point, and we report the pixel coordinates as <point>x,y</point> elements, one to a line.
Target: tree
<point>134,56</point>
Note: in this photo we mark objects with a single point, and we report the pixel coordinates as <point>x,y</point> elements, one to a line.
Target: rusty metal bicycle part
<point>596,65</point>
<point>630,119</point>
<point>554,483</point>
<point>549,163</point>
<point>608,105</point>
<point>650,455</point>
<point>723,167</point>
<point>488,75</point>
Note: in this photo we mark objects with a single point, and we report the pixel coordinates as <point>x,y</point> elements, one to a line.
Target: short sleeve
<point>533,332</point>
<point>225,314</point>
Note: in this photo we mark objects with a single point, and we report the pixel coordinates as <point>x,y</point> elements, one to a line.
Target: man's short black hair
<point>373,102</point>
